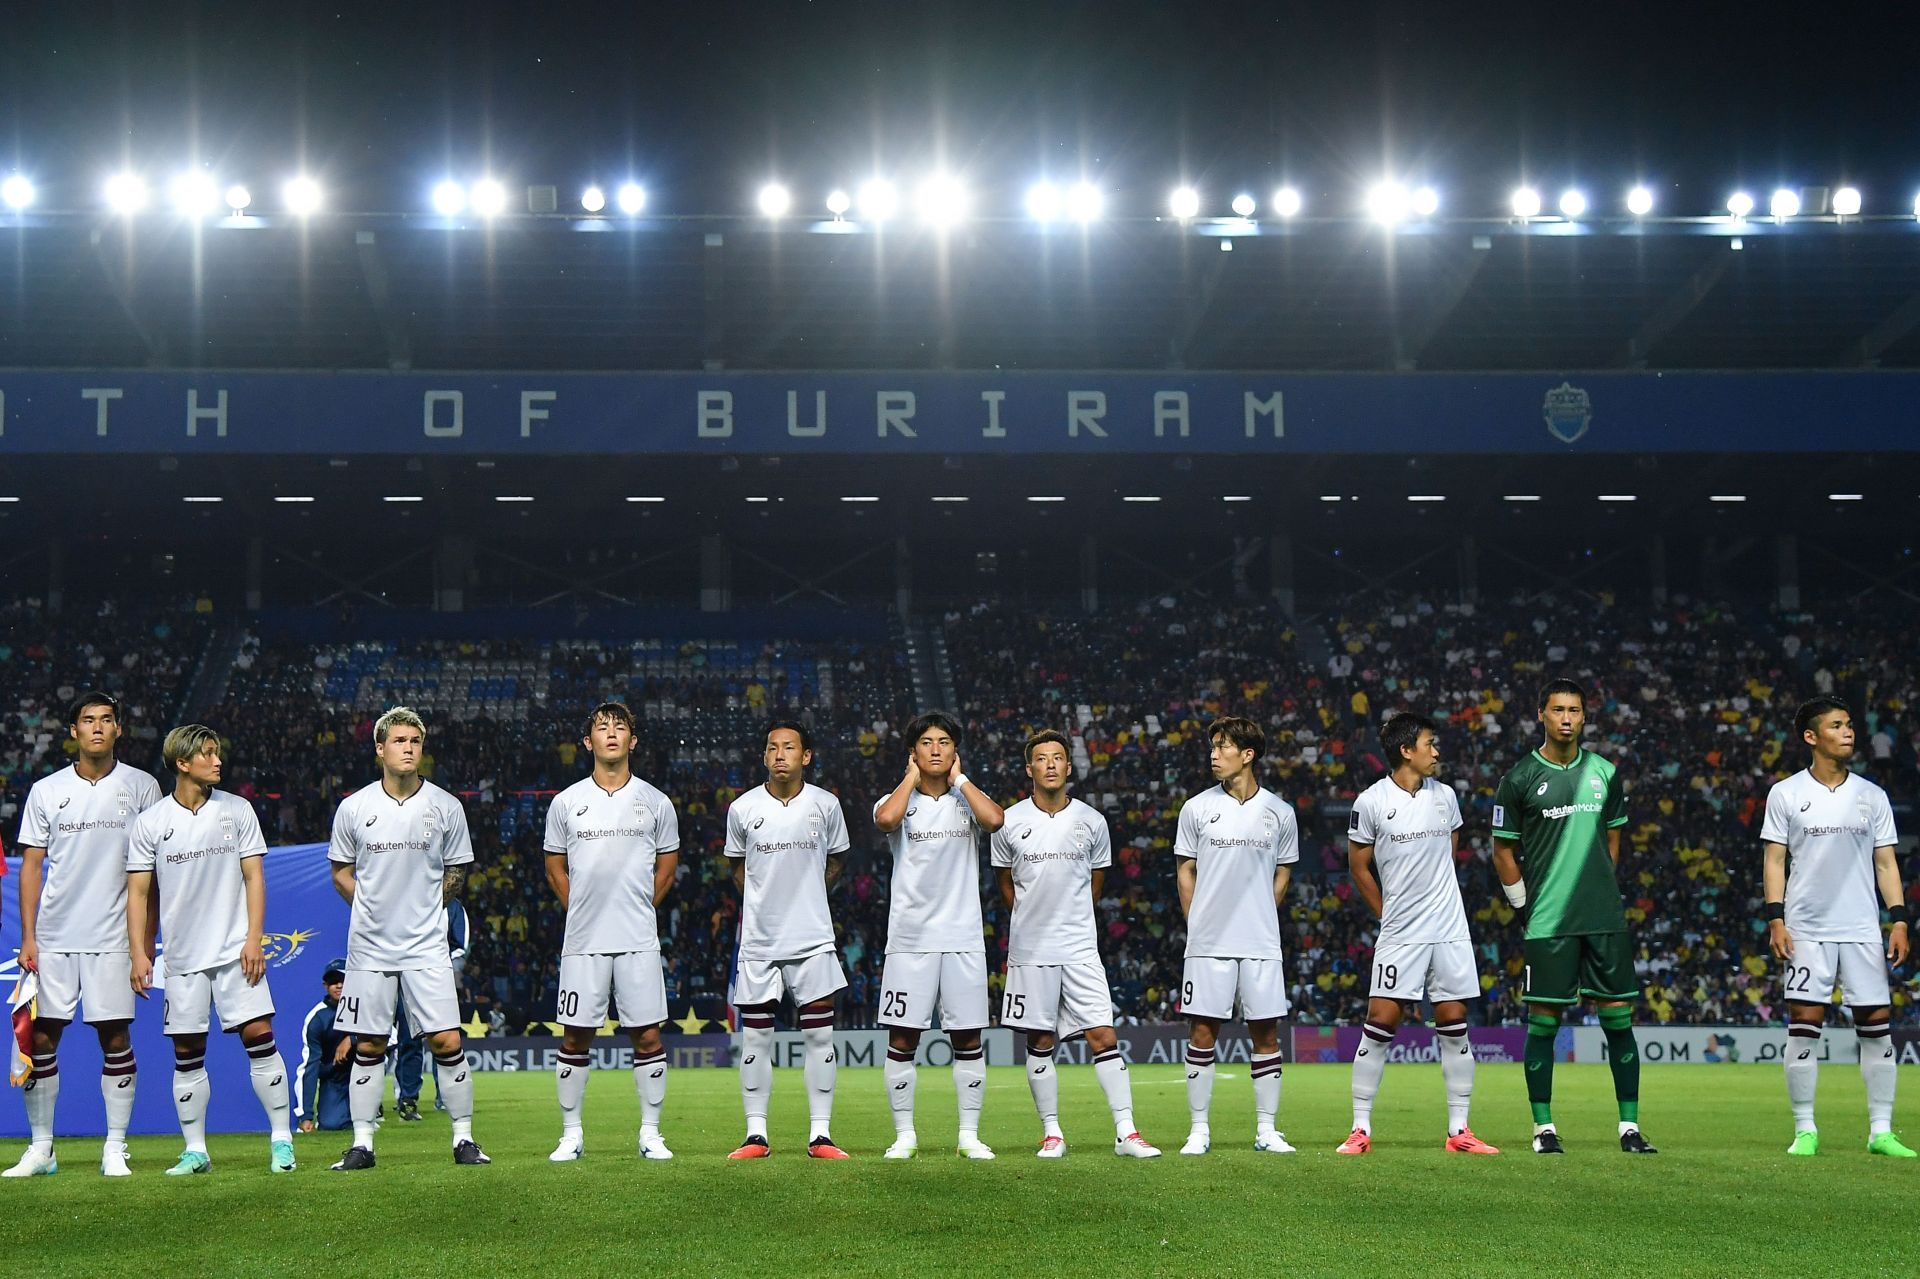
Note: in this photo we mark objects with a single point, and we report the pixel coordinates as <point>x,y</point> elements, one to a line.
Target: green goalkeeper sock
<point>1541,1032</point>
<point>1623,1057</point>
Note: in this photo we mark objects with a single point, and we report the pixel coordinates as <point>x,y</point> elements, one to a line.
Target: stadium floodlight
<point>1388,203</point>
<point>1043,202</point>
<point>631,197</point>
<point>1785,203</point>
<point>1640,202</point>
<point>17,191</point>
<point>941,200</point>
<point>449,199</point>
<point>878,200</point>
<point>1573,204</point>
<point>650,499</point>
<point>1426,497</point>
<point>1525,202</point>
<point>1739,204</point>
<point>775,200</point>
<point>301,196</point>
<point>204,499</point>
<point>488,197</point>
<point>838,203</point>
<point>1243,205</point>
<point>1426,202</point>
<point>1846,202</point>
<point>1727,497</point>
<point>238,198</point>
<point>1184,203</point>
<point>1236,497</point>
<point>593,199</point>
<point>293,499</point>
<point>1619,497</point>
<point>126,194</point>
<point>1846,497</point>
<point>195,194</point>
<point>1286,202</point>
<point>1085,202</point>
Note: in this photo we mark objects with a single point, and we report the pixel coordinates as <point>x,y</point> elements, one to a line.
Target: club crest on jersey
<point>227,830</point>
<point>1599,787</point>
<point>1567,411</point>
<point>1082,839</point>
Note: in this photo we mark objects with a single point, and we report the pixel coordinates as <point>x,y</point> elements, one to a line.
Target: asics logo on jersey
<point>371,820</point>
<point>1804,807</point>
<point>1025,831</point>
<point>912,809</point>
<point>1391,812</point>
<point>580,811</point>
<point>66,801</point>
<point>1543,789</point>
<point>758,822</point>
<point>168,835</point>
<point>1214,818</point>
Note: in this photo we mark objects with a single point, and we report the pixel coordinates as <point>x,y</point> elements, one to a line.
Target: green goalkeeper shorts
<point>1565,970</point>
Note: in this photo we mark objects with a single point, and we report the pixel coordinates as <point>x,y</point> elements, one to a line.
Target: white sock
<point>267,1071</point>
<point>901,1078</point>
<point>116,1087</point>
<point>1200,1068</point>
<point>42,1091</point>
<point>822,1072</point>
<point>756,1070</point>
<point>1803,1071</point>
<point>570,1082</point>
<point>1044,1084</point>
<point>368,1085</point>
<point>1369,1067</point>
<point>456,1089</point>
<point>1266,1091</point>
<point>970,1083</point>
<point>1110,1068</point>
<point>1456,1070</point>
<point>1877,1068</point>
<point>650,1080</point>
<point>190,1089</point>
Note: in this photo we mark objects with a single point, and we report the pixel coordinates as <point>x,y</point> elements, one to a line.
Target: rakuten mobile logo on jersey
<point>398,845</point>
<point>783,846</point>
<point>1568,810</point>
<point>921,836</point>
<point>613,832</point>
<point>80,828</point>
<point>1407,837</point>
<point>1818,831</point>
<point>1235,841</point>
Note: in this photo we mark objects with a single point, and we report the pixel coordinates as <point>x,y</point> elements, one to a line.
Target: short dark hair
<point>1554,687</point>
<point>1044,736</point>
<point>792,726</point>
<point>618,712</point>
<point>1402,733</point>
<point>1242,732</point>
<point>92,697</point>
<point>919,725</point>
<point>1814,709</point>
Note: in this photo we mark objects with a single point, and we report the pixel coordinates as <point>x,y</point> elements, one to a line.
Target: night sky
<point>703,101</point>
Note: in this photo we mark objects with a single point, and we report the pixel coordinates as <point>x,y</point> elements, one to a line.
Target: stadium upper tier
<point>384,292</point>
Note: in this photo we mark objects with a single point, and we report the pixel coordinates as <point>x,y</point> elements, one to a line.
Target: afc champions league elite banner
<point>306,927</point>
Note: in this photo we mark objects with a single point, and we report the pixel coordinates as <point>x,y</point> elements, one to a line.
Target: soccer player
<point>1401,841</point>
<point>613,848</point>
<point>936,938</point>
<point>1823,919</point>
<point>1050,858</point>
<point>1563,808</point>
<point>787,838</point>
<point>73,932</point>
<point>1236,844</point>
<point>400,851</point>
<point>201,849</point>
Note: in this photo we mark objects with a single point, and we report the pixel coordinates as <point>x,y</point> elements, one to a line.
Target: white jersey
<point>1053,857</point>
<point>400,853</point>
<point>1237,851</point>
<point>195,859</point>
<point>1830,837</point>
<point>784,912</point>
<point>611,842</point>
<point>83,826</point>
<point>1412,839</point>
<point>935,902</point>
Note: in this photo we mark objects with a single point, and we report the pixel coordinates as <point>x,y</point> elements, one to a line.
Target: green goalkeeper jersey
<point>1560,818</point>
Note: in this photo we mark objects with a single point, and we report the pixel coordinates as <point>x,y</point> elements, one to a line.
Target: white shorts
<point>1213,987</point>
<point>105,978</point>
<point>369,1000</point>
<point>633,981</point>
<point>1435,970</point>
<point>1066,999</point>
<point>1858,968</point>
<point>912,982</point>
<point>190,994</point>
<point>764,981</point>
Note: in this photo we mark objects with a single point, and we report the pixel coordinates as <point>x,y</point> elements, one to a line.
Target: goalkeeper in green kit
<point>1561,809</point>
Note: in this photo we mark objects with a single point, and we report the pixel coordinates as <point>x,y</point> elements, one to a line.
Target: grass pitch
<point>1720,1198</point>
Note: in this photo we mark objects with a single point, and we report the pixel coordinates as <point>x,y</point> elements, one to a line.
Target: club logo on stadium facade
<point>1568,410</point>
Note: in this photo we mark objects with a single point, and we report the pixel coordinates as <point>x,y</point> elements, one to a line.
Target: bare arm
<point>1004,876</point>
<point>452,880</point>
<point>1281,878</point>
<point>1099,879</point>
<point>1613,845</point>
<point>33,866</point>
<point>253,957</point>
<point>1773,888</point>
<point>665,867</point>
<point>139,940</point>
<point>836,865</point>
<point>893,809</point>
<point>740,875</point>
<point>558,879</point>
<point>1505,864</point>
<point>1360,866</point>
<point>1886,873</point>
<point>343,880</point>
<point>1183,873</point>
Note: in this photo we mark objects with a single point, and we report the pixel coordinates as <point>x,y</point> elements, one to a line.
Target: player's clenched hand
<point>340,1053</point>
<point>306,1125</point>
<point>30,956</point>
<point>1779,940</point>
<point>253,961</point>
<point>141,974</point>
<point>1897,945</point>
